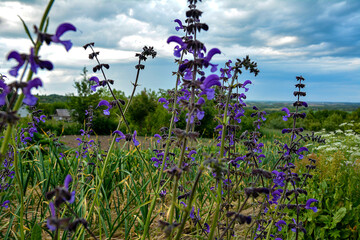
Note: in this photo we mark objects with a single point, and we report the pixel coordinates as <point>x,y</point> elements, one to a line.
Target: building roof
<point>63,112</point>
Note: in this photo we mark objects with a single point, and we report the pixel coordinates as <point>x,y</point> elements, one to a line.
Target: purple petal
<point>158,136</point>
<point>67,44</point>
<point>200,115</point>
<point>42,118</point>
<point>64,27</point>
<point>68,179</point>
<point>246,83</point>
<point>95,79</point>
<point>207,228</point>
<point>310,201</point>
<point>48,224</point>
<point>201,101</point>
<point>16,56</point>
<point>218,127</point>
<point>162,100</point>
<point>210,93</point>
<point>286,130</point>
<point>105,103</point>
<point>210,81</point>
<point>5,204</point>
<point>176,39</point>
<point>180,24</point>
<point>29,98</point>
<point>136,142</point>
<point>211,53</point>
<point>5,91</point>
<point>302,149</point>
<point>286,110</point>
<point>192,216</point>
<point>72,199</point>
<point>14,70</point>
<point>52,209</point>
<point>122,136</point>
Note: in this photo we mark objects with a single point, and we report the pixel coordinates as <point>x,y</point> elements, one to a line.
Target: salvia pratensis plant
<point>202,194</point>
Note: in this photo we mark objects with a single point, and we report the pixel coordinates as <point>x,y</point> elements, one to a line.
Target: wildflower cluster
<point>236,170</point>
<point>287,187</point>
<point>63,195</point>
<point>19,92</point>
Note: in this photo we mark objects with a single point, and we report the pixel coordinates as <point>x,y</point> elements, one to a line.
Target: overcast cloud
<point>317,39</point>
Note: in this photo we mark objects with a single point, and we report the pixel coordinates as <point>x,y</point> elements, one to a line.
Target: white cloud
<point>9,20</point>
<point>311,36</point>
<point>281,41</point>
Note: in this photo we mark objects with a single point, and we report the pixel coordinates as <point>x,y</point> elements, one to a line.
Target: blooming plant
<point>177,186</point>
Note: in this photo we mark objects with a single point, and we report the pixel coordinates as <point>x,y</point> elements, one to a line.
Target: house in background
<point>62,115</point>
<point>23,111</point>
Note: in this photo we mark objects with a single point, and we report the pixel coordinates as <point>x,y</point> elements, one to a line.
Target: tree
<point>83,87</point>
<point>85,97</point>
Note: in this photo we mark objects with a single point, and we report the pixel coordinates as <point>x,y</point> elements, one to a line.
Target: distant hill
<point>52,98</point>
<point>277,106</point>
<point>264,105</point>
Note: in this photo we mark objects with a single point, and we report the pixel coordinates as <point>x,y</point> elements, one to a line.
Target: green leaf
<point>36,232</point>
<point>311,228</point>
<point>339,215</point>
<point>324,219</point>
<point>27,30</point>
<point>335,234</point>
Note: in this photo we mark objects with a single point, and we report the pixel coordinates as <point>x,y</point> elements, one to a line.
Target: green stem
<point>167,147</point>
<point>182,154</point>
<point>189,206</point>
<point>18,103</point>
<point>17,173</point>
<point>222,148</point>
<point>107,158</point>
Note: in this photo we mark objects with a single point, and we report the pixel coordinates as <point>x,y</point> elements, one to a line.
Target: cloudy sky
<point>318,39</point>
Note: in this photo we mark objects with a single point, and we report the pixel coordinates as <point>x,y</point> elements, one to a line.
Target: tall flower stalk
<point>147,51</point>
<point>32,59</point>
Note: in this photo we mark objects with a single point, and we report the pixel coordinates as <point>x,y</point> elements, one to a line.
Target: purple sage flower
<point>207,228</point>
<point>52,219</point>
<point>309,202</point>
<point>5,204</point>
<point>136,142</point>
<point>122,136</point>
<point>29,98</point>
<point>158,136</point>
<point>166,102</point>
<point>180,25</point>
<point>105,103</point>
<point>61,29</point>
<point>285,118</point>
<point>279,223</point>
<point>298,152</point>
<point>96,80</point>
<point>20,58</point>
<point>210,81</point>
<point>5,91</point>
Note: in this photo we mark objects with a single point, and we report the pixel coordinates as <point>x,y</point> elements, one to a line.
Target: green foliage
<point>61,127</point>
<point>141,111</point>
<point>52,98</point>
<point>335,185</point>
<point>50,108</point>
<point>36,232</point>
